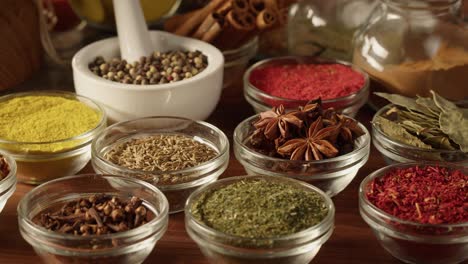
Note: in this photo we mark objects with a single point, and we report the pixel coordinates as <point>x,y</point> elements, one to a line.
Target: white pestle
<point>133,34</point>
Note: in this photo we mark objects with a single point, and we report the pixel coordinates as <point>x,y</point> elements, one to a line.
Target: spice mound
<point>44,119</point>
<point>161,152</point>
<point>158,68</point>
<point>426,195</point>
<point>260,209</point>
<point>4,168</point>
<point>425,122</point>
<point>307,81</point>
<point>308,133</point>
<point>97,215</point>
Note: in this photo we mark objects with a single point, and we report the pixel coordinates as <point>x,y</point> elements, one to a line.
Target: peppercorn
<point>158,68</point>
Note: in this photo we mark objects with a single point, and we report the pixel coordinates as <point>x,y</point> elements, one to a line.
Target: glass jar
<point>326,28</point>
<point>411,47</point>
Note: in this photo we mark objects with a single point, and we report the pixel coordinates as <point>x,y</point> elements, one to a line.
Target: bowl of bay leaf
<point>421,129</point>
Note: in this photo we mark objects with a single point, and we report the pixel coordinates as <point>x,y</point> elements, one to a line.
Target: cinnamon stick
<point>256,6</point>
<point>190,24</point>
<point>237,27</point>
<point>240,5</point>
<point>212,33</point>
<point>266,19</point>
<point>172,23</point>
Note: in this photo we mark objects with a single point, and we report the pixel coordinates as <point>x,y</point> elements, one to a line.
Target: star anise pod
<point>315,146</point>
<point>275,122</point>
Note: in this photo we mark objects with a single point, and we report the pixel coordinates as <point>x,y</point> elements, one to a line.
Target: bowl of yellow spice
<point>48,133</point>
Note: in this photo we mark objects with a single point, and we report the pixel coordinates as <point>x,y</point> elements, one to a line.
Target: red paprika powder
<point>307,81</point>
<point>426,195</point>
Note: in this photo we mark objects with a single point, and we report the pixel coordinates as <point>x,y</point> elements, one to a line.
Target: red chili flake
<point>307,81</point>
<point>428,195</point>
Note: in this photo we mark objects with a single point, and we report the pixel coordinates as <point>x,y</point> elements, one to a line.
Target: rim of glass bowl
<point>10,179</point>
<point>240,54</point>
<point>69,95</point>
<point>218,160</point>
<point>31,226</point>
<point>256,154</point>
<point>383,137</point>
<point>250,89</point>
<point>323,227</point>
<point>372,209</point>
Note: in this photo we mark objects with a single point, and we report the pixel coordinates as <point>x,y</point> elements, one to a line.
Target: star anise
<point>314,146</point>
<point>276,122</point>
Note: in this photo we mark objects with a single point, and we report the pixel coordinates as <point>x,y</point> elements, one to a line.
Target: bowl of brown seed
<point>177,155</point>
<point>7,179</point>
<point>93,219</point>
<point>171,81</point>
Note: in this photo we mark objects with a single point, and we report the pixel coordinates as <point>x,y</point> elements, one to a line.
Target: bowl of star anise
<point>93,219</point>
<point>312,144</point>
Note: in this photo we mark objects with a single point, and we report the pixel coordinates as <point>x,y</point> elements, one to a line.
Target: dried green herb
<point>161,153</point>
<point>4,168</point>
<point>257,208</point>
<point>425,122</point>
<point>397,132</point>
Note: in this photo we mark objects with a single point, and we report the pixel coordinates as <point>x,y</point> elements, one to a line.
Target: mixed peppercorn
<point>158,68</point>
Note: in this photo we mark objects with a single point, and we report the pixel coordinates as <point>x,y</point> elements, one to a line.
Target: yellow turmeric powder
<point>45,119</point>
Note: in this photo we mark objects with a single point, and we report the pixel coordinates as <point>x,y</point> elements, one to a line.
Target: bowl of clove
<point>93,219</point>
<point>311,144</point>
<point>430,129</point>
<point>183,77</point>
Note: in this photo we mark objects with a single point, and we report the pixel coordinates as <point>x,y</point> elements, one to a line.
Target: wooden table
<point>351,242</point>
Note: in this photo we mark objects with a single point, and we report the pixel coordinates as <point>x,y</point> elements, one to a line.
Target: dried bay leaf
<point>398,133</point>
<point>455,125</point>
<point>429,104</point>
<point>439,142</point>
<point>403,101</point>
<point>443,104</point>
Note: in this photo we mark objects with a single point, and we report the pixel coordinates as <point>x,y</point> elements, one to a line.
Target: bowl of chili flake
<point>418,211</point>
<point>292,81</point>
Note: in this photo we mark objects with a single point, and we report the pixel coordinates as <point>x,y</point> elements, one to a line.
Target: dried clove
<point>97,215</point>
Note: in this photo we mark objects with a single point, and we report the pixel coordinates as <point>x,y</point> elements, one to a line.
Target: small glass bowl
<point>261,101</point>
<point>235,62</point>
<point>35,166</point>
<point>297,248</point>
<point>7,184</point>
<point>331,175</point>
<point>396,152</point>
<point>176,193</point>
<point>412,242</point>
<point>132,246</point>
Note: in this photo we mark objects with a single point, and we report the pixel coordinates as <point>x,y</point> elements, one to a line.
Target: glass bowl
<point>235,62</point>
<point>331,175</point>
<point>261,101</point>
<point>132,246</point>
<point>412,242</point>
<point>197,176</point>
<point>69,156</point>
<point>7,184</point>
<point>297,248</point>
<point>396,152</point>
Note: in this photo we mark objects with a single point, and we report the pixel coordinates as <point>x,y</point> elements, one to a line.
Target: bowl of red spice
<point>294,80</point>
<point>7,179</point>
<point>418,211</point>
<point>93,219</point>
<point>311,144</point>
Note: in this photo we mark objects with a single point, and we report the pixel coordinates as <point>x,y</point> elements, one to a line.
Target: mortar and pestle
<point>193,98</point>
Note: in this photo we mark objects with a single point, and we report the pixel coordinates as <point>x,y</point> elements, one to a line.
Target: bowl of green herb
<point>259,219</point>
<point>421,129</point>
<point>311,144</point>
<point>177,155</point>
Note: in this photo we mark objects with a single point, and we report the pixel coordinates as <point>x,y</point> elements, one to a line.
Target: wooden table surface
<point>352,240</point>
